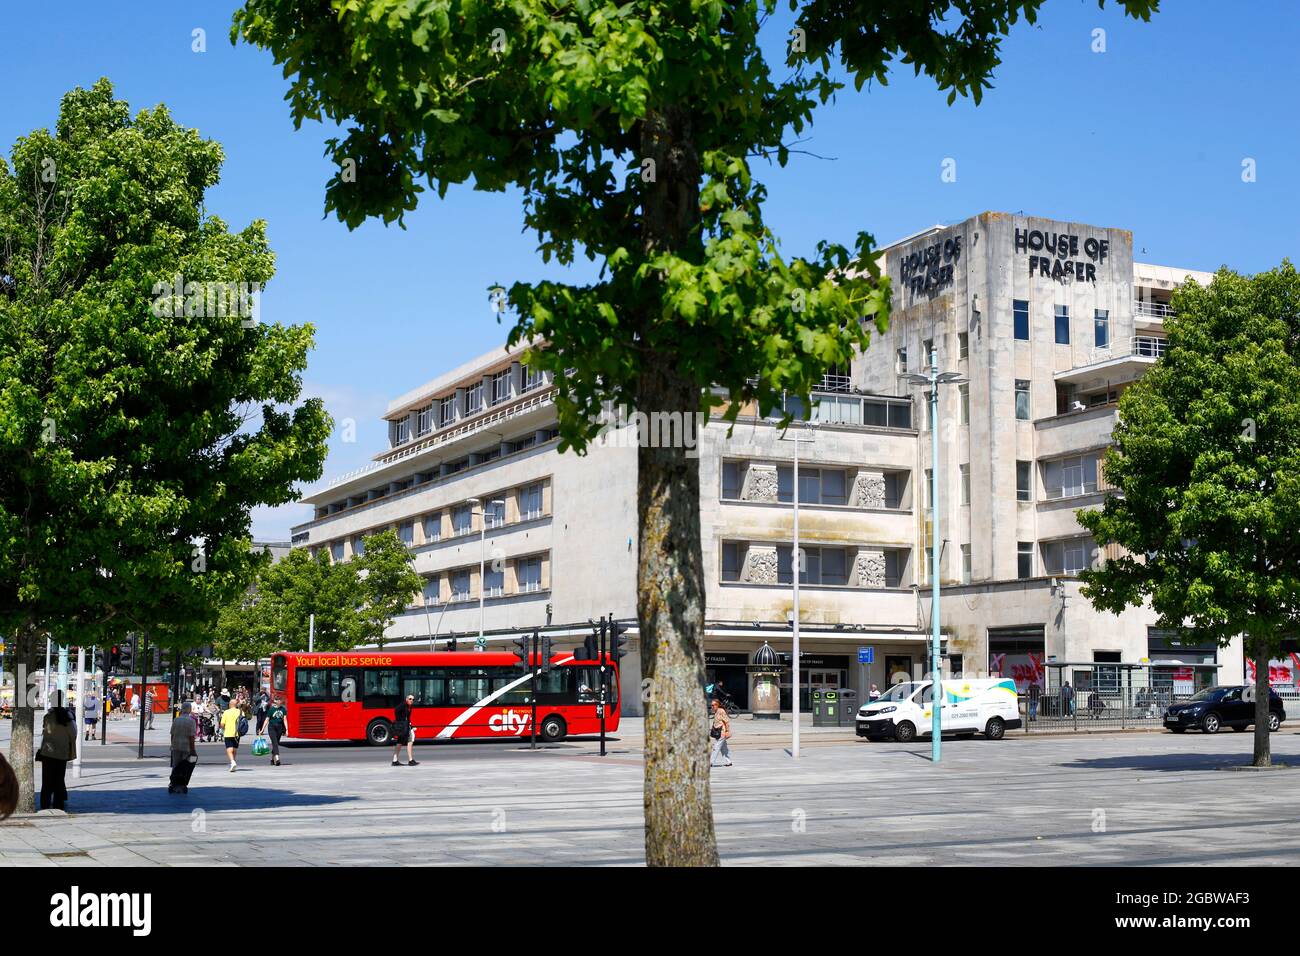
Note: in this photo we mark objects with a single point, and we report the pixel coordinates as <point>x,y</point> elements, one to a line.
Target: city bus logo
<point>513,722</point>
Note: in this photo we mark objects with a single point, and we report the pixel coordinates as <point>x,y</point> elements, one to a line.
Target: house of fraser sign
<point>1055,255</point>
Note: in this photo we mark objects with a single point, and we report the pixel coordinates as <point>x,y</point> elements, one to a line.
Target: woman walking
<point>58,746</point>
<point>404,732</point>
<point>274,727</point>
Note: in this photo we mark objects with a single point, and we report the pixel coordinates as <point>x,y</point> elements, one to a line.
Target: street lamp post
<point>934,379</point>
<point>482,560</point>
<point>796,566</point>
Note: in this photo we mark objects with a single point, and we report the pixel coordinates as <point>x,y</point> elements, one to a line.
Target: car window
<point>1232,695</point>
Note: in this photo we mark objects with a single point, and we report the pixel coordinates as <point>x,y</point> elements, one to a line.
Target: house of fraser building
<point>1048,322</point>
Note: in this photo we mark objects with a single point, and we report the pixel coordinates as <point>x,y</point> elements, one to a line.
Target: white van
<point>985,705</point>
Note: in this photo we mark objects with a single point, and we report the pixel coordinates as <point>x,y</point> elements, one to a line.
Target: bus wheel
<point>379,732</point>
<point>553,728</point>
<point>995,729</point>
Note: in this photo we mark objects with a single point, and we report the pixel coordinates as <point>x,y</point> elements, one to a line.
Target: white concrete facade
<point>565,551</point>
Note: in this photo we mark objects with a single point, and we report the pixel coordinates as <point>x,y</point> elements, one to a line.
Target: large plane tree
<point>630,129</point>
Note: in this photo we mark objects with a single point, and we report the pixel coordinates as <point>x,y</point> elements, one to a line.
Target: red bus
<point>351,695</point>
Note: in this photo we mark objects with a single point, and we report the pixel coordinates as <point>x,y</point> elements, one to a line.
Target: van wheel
<point>905,733</point>
<point>379,732</point>
<point>553,728</point>
<point>995,729</point>
<point>1274,722</point>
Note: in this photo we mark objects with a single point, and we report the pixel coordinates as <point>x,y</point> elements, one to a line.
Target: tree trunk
<point>1263,748</point>
<point>670,566</point>
<point>21,749</point>
<point>670,608</point>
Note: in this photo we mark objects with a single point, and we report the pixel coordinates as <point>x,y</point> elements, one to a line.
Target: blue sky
<point>1149,135</point>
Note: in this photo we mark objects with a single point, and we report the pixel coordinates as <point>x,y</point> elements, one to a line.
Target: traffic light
<point>617,640</point>
<point>590,649</point>
<point>546,653</point>
<point>522,649</point>
<point>126,655</point>
<point>114,658</point>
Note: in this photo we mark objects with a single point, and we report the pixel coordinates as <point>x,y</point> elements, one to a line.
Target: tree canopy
<point>143,408</point>
<point>1206,459</point>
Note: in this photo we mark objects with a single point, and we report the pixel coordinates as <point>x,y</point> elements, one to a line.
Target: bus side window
<point>379,689</point>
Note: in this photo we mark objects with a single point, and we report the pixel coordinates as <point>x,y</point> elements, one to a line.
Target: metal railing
<point>1153,310</point>
<point>1142,346</point>
<point>1083,698</point>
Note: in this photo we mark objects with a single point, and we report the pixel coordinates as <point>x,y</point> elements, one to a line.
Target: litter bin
<point>848,707</point>
<point>826,707</point>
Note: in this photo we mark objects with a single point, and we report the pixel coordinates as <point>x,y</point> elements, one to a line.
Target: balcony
<point>1152,310</point>
<point>1122,362</point>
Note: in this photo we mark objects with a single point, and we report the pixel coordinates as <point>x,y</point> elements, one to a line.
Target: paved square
<point>1134,799</point>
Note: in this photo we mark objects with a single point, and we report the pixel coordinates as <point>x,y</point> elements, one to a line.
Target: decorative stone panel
<point>760,565</point>
<point>869,569</point>
<point>760,484</point>
<point>868,490</point>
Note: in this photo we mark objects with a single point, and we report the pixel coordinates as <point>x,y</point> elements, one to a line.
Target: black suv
<point>1218,707</point>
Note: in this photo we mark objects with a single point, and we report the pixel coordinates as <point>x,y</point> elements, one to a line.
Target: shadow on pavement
<point>202,796</point>
<point>1167,762</point>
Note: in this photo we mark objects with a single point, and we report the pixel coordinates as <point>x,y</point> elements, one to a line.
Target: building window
<point>474,399</point>
<point>895,485</point>
<point>731,480</point>
<point>963,345</point>
<point>494,582</point>
<point>1020,314</point>
<point>1022,400</point>
<point>529,573</point>
<point>929,489</point>
<point>895,567</point>
<point>494,514</point>
<point>462,520</point>
<point>733,560</point>
<point>1024,481</point>
<point>1025,559</point>
<point>406,533</point>
<point>823,566</point>
<point>1101,328</point>
<point>931,356</point>
<point>460,585</point>
<point>336,551</point>
<point>1062,325</point>
<point>500,386</point>
<point>358,546</point>
<point>431,591</point>
<point>532,378</point>
<point>1070,476</point>
<point>900,361</point>
<point>446,411</point>
<point>530,502</point>
<point>963,404</point>
<point>1069,556</point>
<point>424,421</point>
<point>965,564</point>
<point>433,527</point>
<point>965,483</point>
<point>401,430</point>
<point>817,486</point>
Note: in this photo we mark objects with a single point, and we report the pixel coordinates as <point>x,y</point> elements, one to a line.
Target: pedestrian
<point>1095,705</point>
<point>8,788</point>
<point>720,732</point>
<point>91,715</point>
<point>135,705</point>
<point>404,732</point>
<point>874,693</point>
<point>1067,699</point>
<point>184,753</point>
<point>274,727</point>
<point>58,746</point>
<point>259,711</point>
<point>231,719</point>
<point>148,709</point>
<point>1034,693</point>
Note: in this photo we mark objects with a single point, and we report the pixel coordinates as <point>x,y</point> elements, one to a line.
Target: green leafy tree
<point>1206,460</point>
<point>139,424</point>
<point>278,611</point>
<point>388,582</point>
<point>629,129</point>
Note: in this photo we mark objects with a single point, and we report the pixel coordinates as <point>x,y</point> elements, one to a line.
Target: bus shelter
<point>1091,695</point>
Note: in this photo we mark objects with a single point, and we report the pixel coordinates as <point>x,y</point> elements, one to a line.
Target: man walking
<point>230,721</point>
<point>1034,693</point>
<point>184,754</point>
<point>148,709</point>
<point>721,733</point>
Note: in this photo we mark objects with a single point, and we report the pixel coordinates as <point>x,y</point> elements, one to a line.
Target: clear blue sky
<point>1149,135</point>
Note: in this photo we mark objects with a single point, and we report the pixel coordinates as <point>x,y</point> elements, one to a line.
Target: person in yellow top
<point>230,719</point>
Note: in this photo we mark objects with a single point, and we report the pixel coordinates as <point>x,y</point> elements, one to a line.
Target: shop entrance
<point>729,671</point>
<point>898,668</point>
